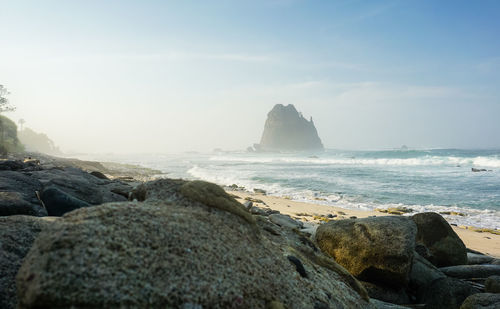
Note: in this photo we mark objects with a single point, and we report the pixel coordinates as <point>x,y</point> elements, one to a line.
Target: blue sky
<point>161,76</point>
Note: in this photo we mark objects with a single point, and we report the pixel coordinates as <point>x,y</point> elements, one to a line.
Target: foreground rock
<point>444,246</point>
<point>17,234</point>
<point>179,254</point>
<point>482,301</point>
<point>286,130</point>
<point>378,250</point>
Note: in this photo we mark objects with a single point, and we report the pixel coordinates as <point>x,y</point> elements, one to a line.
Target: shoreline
<point>309,213</point>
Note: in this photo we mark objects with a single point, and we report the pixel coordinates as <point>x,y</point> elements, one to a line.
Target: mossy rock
<point>212,195</point>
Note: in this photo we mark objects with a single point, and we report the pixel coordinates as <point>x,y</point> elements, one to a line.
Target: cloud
<point>489,65</point>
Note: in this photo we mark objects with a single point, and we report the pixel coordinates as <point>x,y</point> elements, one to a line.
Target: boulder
<point>492,284</point>
<point>378,304</point>
<point>189,192</point>
<point>375,249</point>
<point>82,185</point>
<point>18,195</point>
<point>482,301</point>
<point>444,245</point>
<point>287,130</point>
<point>17,234</point>
<point>471,271</point>
<point>99,175</point>
<point>475,258</point>
<point>285,221</point>
<point>171,255</point>
<point>433,288</point>
<point>11,165</point>
<point>423,274</point>
<point>446,293</point>
<point>387,294</point>
<point>476,170</point>
<point>58,202</point>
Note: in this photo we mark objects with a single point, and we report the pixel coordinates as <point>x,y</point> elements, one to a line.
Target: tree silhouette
<point>21,123</point>
<point>4,107</point>
<point>4,102</point>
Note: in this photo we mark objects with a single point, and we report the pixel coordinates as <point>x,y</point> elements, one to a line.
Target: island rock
<point>287,130</point>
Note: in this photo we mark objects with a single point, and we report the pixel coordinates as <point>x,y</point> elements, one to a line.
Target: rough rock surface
<point>17,234</point>
<point>474,258</point>
<point>384,305</point>
<point>434,289</point>
<point>83,185</point>
<point>423,274</point>
<point>482,301</point>
<point>492,284</point>
<point>175,255</point>
<point>377,249</point>
<point>447,293</point>
<point>58,202</point>
<point>189,192</point>
<point>444,245</point>
<point>287,130</point>
<point>18,194</point>
<point>285,221</point>
<point>471,271</point>
<point>387,294</point>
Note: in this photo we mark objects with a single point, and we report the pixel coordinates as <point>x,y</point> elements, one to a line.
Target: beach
<point>486,243</point>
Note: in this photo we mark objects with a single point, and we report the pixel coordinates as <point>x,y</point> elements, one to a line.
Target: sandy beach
<point>486,243</point>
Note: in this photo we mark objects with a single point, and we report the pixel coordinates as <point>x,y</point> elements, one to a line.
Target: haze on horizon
<point>165,76</point>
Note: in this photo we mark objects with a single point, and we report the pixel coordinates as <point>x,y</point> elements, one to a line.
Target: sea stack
<point>287,130</point>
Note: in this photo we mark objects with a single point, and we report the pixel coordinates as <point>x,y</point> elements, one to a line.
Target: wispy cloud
<point>489,65</point>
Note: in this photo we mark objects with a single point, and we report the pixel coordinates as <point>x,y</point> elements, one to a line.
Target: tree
<point>4,124</point>
<point>4,102</point>
<point>21,123</point>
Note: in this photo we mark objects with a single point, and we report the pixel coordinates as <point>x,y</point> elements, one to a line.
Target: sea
<point>439,180</point>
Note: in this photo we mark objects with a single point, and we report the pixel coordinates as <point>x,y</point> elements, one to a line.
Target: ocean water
<point>423,180</point>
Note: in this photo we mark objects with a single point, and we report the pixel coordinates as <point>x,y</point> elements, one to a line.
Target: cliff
<point>287,130</point>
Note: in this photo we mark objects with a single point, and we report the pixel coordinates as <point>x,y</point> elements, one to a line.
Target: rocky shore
<point>83,235</point>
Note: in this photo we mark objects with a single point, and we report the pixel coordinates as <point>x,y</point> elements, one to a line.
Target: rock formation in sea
<point>287,130</point>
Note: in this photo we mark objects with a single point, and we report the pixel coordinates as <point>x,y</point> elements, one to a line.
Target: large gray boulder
<point>173,255</point>
<point>377,249</point>
<point>17,234</point>
<point>287,130</point>
<point>482,301</point>
<point>444,246</point>
<point>18,195</point>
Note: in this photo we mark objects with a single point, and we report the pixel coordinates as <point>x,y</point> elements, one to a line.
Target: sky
<point>168,76</point>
